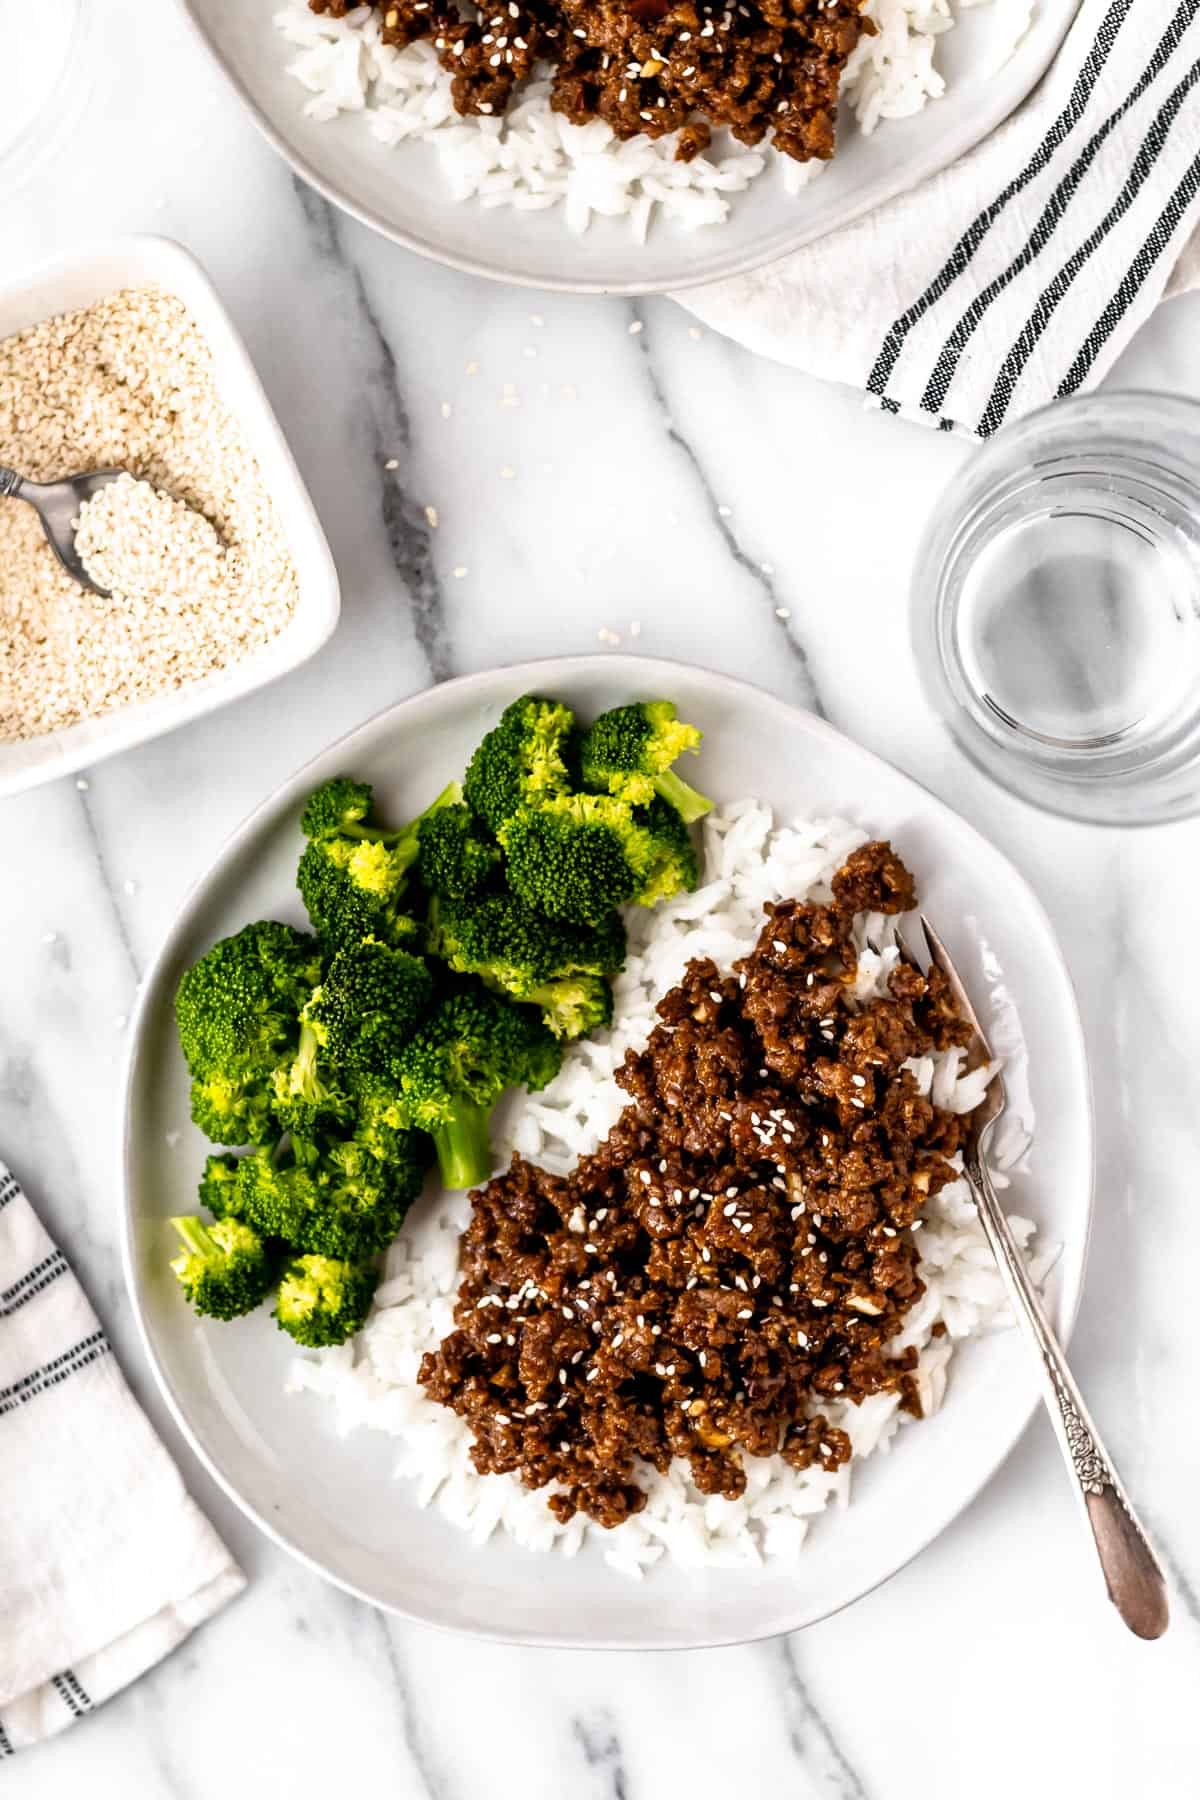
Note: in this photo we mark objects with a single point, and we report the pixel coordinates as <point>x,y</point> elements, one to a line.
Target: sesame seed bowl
<point>183,408</point>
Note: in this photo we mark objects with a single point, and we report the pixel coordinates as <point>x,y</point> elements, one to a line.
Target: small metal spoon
<point>57,505</point>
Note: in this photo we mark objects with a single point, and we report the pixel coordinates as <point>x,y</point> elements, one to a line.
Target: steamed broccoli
<point>629,752</point>
<point>323,1300</point>
<point>549,963</point>
<point>333,1198</point>
<point>457,856</point>
<point>218,1184</point>
<point>672,867</point>
<point>352,876</point>
<point>237,1011</point>
<point>233,1111</point>
<point>306,1091</point>
<point>369,1004</point>
<point>225,1269</point>
<point>579,856</point>
<point>237,1007</point>
<point>338,807</point>
<point>456,1067</point>
<point>522,760</point>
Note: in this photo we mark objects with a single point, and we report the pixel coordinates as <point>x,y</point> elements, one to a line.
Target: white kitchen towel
<point>1018,274</point>
<point>105,1562</point>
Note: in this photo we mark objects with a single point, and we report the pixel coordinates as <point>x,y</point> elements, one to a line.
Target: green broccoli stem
<point>464,1149</point>
<point>687,801</point>
<point>195,1235</point>
<point>407,834</point>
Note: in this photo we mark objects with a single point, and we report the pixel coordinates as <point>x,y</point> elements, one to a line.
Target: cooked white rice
<point>373,1381</point>
<point>532,158</point>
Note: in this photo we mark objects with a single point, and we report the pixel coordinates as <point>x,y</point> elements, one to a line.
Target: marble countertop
<point>596,488</point>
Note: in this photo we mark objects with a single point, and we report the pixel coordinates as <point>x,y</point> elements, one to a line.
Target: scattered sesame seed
<point>431,517</point>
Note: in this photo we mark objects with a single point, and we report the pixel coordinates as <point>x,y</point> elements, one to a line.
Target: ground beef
<point>648,66</point>
<point>738,1254</point>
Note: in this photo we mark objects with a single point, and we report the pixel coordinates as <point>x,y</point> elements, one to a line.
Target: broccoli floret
<point>340,806</point>
<point>575,1005</point>
<point>382,1127</point>
<point>333,1199</point>
<point>550,963</point>
<point>237,1008</point>
<point>306,1092</point>
<point>629,752</point>
<point>218,1184</point>
<point>579,856</point>
<point>323,1300</point>
<point>523,759</point>
<point>353,876</point>
<point>369,1004</point>
<point>576,856</point>
<point>457,857</point>
<point>230,1111</point>
<point>456,1067</point>
<point>225,1269</point>
<point>672,867</point>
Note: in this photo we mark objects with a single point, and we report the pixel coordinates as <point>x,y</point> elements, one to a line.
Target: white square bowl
<point>77,281</point>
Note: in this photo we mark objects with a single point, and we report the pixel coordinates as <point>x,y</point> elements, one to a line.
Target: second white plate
<point>402,192</point>
<point>332,1500</point>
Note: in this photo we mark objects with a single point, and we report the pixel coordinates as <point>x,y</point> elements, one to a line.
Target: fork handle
<point>10,483</point>
<point>1131,1573</point>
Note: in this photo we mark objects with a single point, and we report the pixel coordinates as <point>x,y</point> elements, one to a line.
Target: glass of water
<point>1056,608</point>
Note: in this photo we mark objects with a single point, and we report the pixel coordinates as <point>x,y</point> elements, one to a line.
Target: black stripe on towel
<point>38,1380</point>
<point>1053,213</point>
<point>1163,230</point>
<point>67,1697</point>
<point>6,1748</point>
<point>969,243</point>
<point>9,1189</point>
<point>1143,166</point>
<point>49,1270</point>
<point>73,1692</point>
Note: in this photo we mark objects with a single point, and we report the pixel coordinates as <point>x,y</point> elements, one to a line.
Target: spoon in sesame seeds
<point>57,504</point>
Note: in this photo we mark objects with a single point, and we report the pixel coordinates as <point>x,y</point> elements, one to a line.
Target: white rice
<point>532,158</point>
<point>373,1381</point>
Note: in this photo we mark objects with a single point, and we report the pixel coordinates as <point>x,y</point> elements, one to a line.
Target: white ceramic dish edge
<point>647,675</point>
<point>74,281</point>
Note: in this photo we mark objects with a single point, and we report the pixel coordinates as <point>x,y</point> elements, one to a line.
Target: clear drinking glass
<point>1056,608</point>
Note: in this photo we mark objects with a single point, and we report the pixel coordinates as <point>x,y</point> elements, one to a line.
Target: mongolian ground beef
<point>739,1250</point>
<point>648,66</point>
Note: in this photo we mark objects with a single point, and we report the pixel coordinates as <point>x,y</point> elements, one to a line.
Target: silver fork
<point>1131,1573</point>
<point>57,505</point>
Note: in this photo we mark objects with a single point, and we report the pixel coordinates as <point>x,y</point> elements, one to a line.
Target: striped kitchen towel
<point>105,1562</point>
<point>1018,274</point>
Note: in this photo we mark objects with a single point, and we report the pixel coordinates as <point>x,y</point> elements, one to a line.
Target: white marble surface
<point>657,477</point>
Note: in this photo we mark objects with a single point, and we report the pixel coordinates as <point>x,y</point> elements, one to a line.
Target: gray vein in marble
<point>597,1738</point>
<point>809,695</point>
<point>408,533</point>
<point>429,1776</point>
<point>809,1733</point>
<point>110,892</point>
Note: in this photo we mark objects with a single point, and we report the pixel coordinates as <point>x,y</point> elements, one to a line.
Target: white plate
<point>402,193</point>
<point>333,1501</point>
<point>79,280</point>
